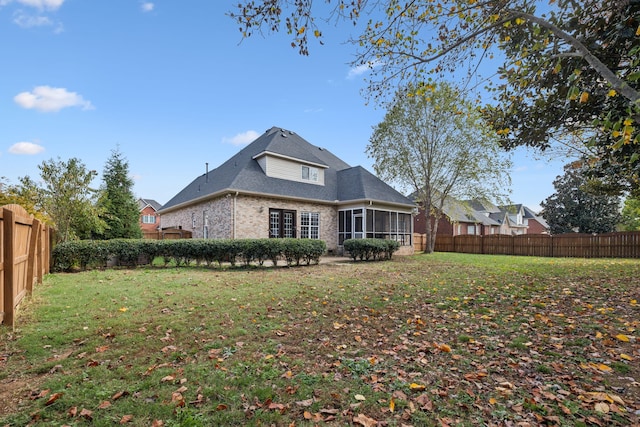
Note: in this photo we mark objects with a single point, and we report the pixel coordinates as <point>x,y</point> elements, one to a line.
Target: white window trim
<point>313,173</point>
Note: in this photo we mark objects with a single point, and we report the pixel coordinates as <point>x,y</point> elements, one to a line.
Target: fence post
<point>8,228</point>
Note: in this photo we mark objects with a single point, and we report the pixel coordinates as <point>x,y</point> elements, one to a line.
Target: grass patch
<point>455,338</point>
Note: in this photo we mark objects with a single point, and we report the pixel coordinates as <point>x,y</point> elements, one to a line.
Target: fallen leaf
<point>86,414</point>
<point>365,421</point>
<point>360,397</point>
<point>417,387</point>
<point>123,309</point>
<point>119,394</point>
<point>305,403</point>
<point>392,405</point>
<point>444,347</point>
<point>424,402</point>
<point>125,419</point>
<point>622,337</point>
<point>221,407</point>
<point>53,398</point>
<point>626,357</point>
<point>104,404</point>
<point>602,407</point>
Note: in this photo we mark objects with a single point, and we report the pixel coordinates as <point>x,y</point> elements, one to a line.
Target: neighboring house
<point>280,185</point>
<point>536,224</point>
<point>149,216</point>
<point>483,218</point>
<point>458,218</point>
<point>510,218</point>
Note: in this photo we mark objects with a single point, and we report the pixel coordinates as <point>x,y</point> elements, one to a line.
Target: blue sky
<point>172,85</point>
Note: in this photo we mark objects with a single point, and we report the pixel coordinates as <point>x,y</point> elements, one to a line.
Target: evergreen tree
<point>117,203</point>
<point>574,209</point>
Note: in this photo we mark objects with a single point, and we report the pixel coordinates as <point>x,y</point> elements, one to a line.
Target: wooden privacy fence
<point>169,233</point>
<point>610,245</point>
<point>24,257</point>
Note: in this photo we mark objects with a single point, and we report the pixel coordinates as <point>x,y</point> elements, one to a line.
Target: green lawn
<point>441,339</point>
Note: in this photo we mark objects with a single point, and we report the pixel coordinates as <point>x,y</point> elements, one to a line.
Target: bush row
<point>370,249</point>
<point>131,252</point>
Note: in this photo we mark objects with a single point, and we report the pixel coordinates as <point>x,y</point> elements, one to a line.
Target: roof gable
<point>143,203</point>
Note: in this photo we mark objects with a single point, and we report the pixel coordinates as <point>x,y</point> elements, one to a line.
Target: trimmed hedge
<point>370,249</point>
<point>132,252</point>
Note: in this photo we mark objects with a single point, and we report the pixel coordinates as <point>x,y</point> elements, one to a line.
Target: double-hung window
<point>148,219</point>
<point>309,225</point>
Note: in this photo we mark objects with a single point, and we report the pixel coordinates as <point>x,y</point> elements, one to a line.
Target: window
<point>148,219</point>
<point>282,223</point>
<point>309,173</point>
<point>309,225</point>
<point>373,223</point>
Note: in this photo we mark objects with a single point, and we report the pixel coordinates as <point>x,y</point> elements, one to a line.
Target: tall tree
<point>436,146</point>
<point>631,214</point>
<point>565,68</point>
<point>118,205</point>
<point>572,208</point>
<point>69,199</point>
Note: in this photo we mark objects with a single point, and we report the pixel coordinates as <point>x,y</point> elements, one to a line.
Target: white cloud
<point>147,6</point>
<point>51,99</point>
<point>39,4</point>
<point>242,138</point>
<point>361,69</point>
<point>27,21</point>
<point>42,4</point>
<point>28,148</point>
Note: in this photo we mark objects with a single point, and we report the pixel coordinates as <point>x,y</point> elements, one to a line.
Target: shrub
<point>370,249</point>
<point>132,252</point>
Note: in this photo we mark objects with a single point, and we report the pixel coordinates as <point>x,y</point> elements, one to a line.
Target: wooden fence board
<point>2,266</point>
<point>24,257</point>
<point>610,245</point>
<point>170,233</point>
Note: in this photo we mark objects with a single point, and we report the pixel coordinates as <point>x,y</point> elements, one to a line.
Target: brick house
<point>483,218</point>
<point>535,223</point>
<point>280,185</point>
<point>149,216</point>
<point>458,218</point>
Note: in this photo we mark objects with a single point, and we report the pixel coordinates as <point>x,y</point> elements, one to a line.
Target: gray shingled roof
<point>463,211</point>
<point>242,173</point>
<point>142,203</point>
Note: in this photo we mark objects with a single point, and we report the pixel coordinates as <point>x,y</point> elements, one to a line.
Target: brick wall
<point>217,213</point>
<point>148,210</point>
<point>251,218</point>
